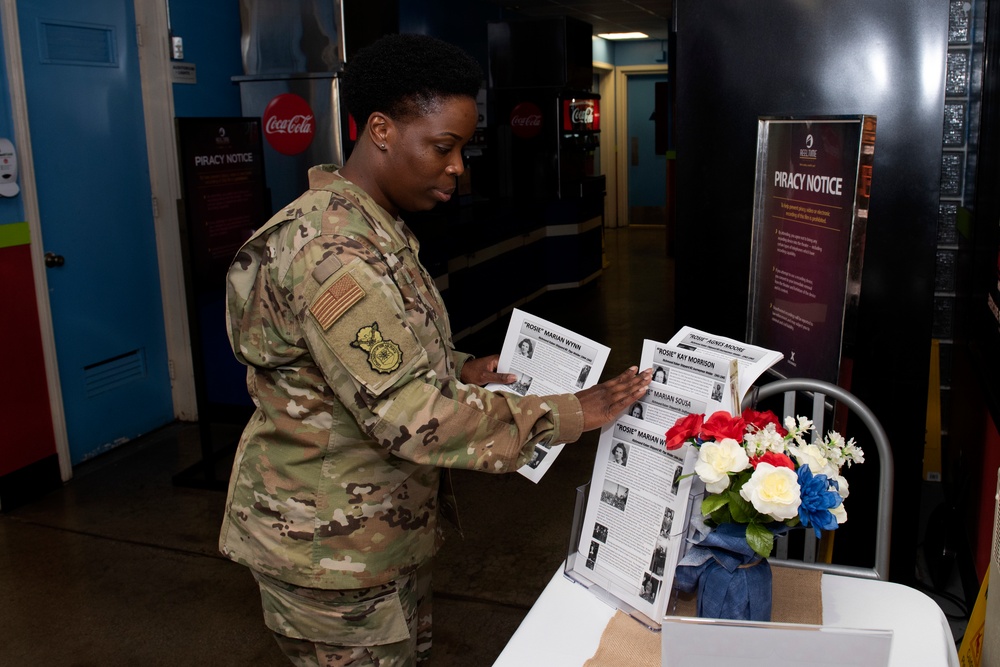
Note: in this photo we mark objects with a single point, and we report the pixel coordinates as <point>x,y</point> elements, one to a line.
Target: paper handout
<point>547,359</point>
<point>637,517</point>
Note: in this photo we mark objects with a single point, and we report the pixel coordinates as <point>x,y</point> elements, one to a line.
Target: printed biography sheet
<point>547,359</point>
<point>633,530</point>
<point>691,374</point>
<point>639,517</point>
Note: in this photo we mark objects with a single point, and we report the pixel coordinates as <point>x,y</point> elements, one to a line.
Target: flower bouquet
<point>761,479</point>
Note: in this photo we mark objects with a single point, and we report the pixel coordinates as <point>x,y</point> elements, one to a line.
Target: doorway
<point>642,183</point>
<point>93,206</point>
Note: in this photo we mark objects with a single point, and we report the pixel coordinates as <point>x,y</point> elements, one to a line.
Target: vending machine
<point>546,141</point>
<point>579,140</point>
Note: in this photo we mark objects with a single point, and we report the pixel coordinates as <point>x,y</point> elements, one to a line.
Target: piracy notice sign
<point>810,213</point>
<point>222,167</point>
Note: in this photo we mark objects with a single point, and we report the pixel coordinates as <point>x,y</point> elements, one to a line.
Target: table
<point>564,626</point>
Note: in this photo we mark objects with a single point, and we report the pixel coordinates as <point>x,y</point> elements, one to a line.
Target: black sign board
<point>222,164</point>
<point>810,212</point>
<point>224,200</point>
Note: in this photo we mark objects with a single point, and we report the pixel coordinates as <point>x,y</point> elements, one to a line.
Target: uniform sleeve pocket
<point>369,337</point>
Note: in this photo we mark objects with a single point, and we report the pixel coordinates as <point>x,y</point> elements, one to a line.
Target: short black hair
<point>405,75</point>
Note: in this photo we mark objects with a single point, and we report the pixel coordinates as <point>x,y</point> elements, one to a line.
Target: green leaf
<point>713,502</point>
<point>738,481</point>
<point>743,511</point>
<point>760,539</point>
<point>723,516</point>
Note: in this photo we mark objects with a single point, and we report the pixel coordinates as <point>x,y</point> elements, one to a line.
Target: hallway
<point>120,566</point>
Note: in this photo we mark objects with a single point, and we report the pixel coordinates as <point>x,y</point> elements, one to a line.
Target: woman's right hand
<point>603,402</point>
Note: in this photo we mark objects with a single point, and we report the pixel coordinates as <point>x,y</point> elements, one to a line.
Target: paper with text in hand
<point>547,359</point>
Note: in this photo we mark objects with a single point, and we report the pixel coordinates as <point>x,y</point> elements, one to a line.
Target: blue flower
<point>819,494</point>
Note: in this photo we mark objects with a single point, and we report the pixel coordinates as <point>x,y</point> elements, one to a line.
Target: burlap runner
<point>796,597</point>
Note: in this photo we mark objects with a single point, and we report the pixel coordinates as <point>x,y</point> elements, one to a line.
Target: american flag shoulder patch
<point>336,300</point>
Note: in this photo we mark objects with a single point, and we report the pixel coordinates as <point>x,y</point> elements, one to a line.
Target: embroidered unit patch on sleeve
<point>335,301</point>
<point>384,356</point>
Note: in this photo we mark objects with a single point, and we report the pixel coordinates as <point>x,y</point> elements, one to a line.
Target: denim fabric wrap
<point>725,589</point>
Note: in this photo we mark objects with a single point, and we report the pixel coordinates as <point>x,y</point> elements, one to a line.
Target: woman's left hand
<point>482,371</point>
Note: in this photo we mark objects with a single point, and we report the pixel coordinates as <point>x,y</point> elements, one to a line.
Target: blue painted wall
<point>604,51</point>
<point>641,52</point>
<point>211,33</point>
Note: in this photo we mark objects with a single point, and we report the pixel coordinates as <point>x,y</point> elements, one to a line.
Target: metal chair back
<point>820,390</point>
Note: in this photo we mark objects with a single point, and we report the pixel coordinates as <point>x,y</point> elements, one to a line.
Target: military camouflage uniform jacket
<point>354,375</point>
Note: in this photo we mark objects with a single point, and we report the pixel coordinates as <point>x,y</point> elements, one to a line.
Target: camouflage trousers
<point>381,626</point>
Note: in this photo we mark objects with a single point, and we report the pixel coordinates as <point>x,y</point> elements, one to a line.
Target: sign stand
<point>224,201</point>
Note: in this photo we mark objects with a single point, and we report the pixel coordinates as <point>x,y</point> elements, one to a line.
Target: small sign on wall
<point>183,72</point>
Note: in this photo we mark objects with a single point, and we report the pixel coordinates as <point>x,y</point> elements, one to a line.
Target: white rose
<point>716,460</point>
<point>773,490</point>
<point>839,513</point>
<point>842,488</point>
<point>810,455</point>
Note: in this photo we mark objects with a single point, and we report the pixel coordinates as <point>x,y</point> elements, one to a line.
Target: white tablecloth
<point>565,624</point>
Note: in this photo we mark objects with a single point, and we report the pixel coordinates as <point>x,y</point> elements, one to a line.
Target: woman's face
<point>619,454</point>
<point>525,347</point>
<point>425,155</point>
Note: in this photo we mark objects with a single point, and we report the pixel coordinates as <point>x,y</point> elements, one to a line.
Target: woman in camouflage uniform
<point>361,397</point>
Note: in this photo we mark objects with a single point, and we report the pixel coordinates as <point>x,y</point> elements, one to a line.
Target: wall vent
<point>61,43</point>
<point>115,372</point>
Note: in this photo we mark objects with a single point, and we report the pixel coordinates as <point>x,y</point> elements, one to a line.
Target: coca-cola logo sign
<point>526,120</point>
<point>289,124</point>
<point>581,115</point>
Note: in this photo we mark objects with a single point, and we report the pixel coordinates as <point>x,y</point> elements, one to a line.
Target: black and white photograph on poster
<point>717,392</point>
<point>676,483</point>
<point>659,374</point>
<point>537,457</point>
<point>592,554</point>
<point>600,532</point>
<point>659,558</point>
<point>619,453</point>
<point>668,522</point>
<point>615,495</point>
<point>650,587</point>
<point>636,410</point>
<point>547,359</point>
<point>522,385</point>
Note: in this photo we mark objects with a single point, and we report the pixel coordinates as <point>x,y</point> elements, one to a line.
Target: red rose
<point>684,429</point>
<point>723,425</point>
<point>762,419</point>
<point>775,459</point>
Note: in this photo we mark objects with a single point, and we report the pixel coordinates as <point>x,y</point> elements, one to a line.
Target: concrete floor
<point>120,566</point>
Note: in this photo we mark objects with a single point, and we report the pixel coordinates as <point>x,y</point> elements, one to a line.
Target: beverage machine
<point>547,140</point>
<point>547,133</point>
